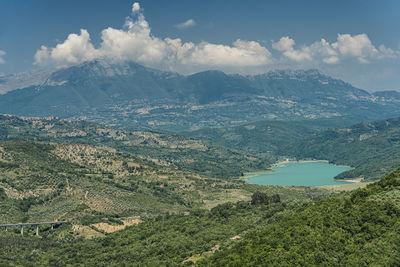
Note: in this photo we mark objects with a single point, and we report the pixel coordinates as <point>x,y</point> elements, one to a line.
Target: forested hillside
<point>373,148</point>
<point>267,137</point>
<point>355,229</point>
<point>175,151</point>
<point>96,189</point>
<point>85,185</point>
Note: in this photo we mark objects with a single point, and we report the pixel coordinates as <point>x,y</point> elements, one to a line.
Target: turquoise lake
<point>300,174</point>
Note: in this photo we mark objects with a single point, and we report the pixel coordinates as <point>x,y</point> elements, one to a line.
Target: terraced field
<point>88,186</point>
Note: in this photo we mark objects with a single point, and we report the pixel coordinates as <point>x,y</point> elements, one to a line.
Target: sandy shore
<point>355,180</point>
<point>344,187</point>
<point>252,174</point>
<point>282,163</point>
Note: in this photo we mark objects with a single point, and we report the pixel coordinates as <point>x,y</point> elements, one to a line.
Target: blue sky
<point>357,41</point>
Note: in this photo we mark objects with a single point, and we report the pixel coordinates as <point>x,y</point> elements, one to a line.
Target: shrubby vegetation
<point>171,150</point>
<point>167,240</point>
<point>267,137</point>
<point>355,230</point>
<point>87,185</point>
<point>261,198</point>
<point>372,148</point>
<point>360,228</point>
<point>184,214</point>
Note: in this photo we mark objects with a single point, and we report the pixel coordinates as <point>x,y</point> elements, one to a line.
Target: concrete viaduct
<point>22,225</point>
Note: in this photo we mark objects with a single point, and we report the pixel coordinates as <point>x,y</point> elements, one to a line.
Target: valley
<point>165,181</point>
<point>199,133</point>
<point>91,176</point>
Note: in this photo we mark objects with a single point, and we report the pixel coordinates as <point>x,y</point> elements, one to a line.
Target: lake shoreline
<point>355,180</point>
<point>283,163</point>
<point>322,173</point>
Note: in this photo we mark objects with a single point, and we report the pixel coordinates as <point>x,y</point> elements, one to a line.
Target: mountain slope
<point>175,151</point>
<point>360,229</point>
<point>23,80</point>
<point>373,148</point>
<point>132,96</point>
<point>85,185</point>
<point>266,137</point>
<point>351,230</point>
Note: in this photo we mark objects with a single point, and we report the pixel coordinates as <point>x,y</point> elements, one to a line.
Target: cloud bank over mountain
<point>136,42</point>
<point>357,46</point>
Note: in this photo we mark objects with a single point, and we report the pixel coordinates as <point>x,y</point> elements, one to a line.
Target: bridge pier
<point>22,225</point>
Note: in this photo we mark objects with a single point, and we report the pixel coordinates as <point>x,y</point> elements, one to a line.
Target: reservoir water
<point>313,173</point>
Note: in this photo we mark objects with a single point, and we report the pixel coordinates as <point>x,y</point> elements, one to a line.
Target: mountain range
<point>130,95</point>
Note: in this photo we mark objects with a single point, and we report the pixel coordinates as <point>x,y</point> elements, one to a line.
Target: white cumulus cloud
<point>358,47</point>
<point>286,46</point>
<point>187,24</point>
<point>135,42</point>
<point>2,53</point>
<point>76,48</point>
<point>135,7</point>
<point>241,54</point>
<point>324,51</point>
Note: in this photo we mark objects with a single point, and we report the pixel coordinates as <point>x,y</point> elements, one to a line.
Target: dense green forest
<point>372,148</point>
<point>356,230</point>
<point>267,137</point>
<point>165,240</point>
<point>360,228</point>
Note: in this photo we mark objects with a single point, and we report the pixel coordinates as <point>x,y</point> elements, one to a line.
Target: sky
<point>354,40</point>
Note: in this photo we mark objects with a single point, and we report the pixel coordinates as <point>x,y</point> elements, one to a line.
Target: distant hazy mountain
<point>389,95</point>
<point>130,95</point>
<point>23,80</point>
